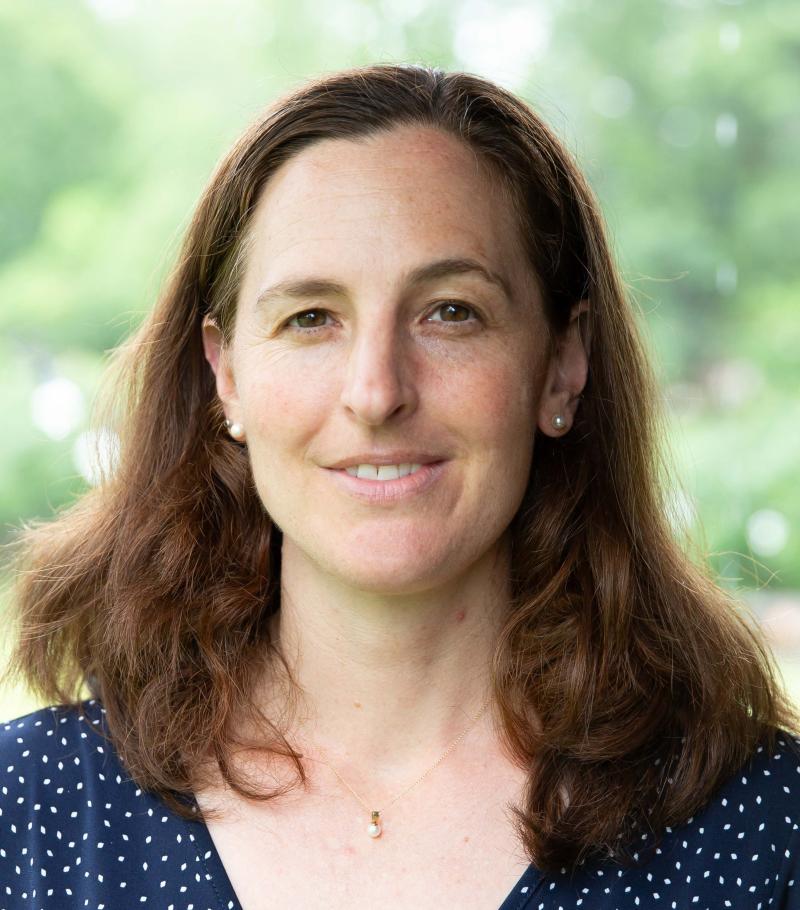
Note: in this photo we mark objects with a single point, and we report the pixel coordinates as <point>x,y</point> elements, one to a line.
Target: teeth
<point>382,472</point>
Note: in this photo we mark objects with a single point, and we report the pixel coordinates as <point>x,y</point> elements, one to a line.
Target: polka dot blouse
<point>76,831</point>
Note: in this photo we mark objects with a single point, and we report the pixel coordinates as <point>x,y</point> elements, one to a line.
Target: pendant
<point>375,826</point>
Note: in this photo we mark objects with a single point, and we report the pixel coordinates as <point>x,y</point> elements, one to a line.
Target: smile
<point>383,471</point>
<point>369,487</point>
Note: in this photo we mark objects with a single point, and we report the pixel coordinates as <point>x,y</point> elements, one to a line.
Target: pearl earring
<point>559,421</point>
<point>235,429</point>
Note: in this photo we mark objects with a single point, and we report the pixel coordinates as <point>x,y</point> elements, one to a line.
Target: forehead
<point>389,200</point>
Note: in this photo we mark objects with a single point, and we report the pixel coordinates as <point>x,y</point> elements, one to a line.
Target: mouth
<point>393,485</point>
<point>384,472</point>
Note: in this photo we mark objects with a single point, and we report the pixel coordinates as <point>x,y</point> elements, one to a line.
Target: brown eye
<point>303,326</point>
<point>452,308</point>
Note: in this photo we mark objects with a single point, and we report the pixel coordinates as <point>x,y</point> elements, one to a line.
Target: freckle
<point>466,839</point>
<point>460,616</point>
<point>356,704</point>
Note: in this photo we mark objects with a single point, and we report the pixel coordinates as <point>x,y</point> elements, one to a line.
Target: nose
<point>378,382</point>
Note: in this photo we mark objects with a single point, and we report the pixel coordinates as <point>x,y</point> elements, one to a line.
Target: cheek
<point>502,400</point>
<point>499,431</point>
<point>498,428</point>
<point>282,401</point>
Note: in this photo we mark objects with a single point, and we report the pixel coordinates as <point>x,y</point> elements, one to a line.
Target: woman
<point>380,603</point>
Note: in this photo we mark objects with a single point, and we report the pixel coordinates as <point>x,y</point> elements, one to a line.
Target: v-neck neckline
<point>207,852</point>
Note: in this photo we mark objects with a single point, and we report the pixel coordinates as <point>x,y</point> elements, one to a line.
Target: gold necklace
<point>375,827</point>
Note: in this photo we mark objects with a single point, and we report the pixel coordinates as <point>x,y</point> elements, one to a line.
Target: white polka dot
<point>751,828</point>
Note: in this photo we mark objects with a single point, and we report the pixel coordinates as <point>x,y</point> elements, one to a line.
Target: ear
<point>218,355</point>
<point>566,376</point>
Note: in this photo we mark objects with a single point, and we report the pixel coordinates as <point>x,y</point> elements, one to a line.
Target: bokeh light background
<point>684,114</point>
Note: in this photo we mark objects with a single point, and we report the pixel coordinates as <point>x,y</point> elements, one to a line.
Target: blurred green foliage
<point>684,115</point>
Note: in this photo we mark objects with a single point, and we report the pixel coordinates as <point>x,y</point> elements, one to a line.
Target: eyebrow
<point>301,288</point>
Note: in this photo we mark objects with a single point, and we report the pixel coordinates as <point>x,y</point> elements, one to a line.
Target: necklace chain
<point>375,826</point>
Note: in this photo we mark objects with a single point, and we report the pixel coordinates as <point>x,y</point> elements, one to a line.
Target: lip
<point>386,492</point>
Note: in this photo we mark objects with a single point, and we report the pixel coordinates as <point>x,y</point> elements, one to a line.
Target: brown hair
<point>629,685</point>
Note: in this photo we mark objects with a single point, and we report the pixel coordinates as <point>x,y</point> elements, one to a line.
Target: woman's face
<point>386,306</point>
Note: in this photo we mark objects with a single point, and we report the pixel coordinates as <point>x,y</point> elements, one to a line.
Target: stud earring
<point>559,421</point>
<point>235,429</point>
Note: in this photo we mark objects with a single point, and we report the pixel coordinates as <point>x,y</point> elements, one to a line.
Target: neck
<point>387,683</point>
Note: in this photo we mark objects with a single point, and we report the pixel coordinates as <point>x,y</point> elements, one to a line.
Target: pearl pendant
<point>375,826</point>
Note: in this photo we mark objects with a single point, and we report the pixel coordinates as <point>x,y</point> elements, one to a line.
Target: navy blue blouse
<point>76,831</point>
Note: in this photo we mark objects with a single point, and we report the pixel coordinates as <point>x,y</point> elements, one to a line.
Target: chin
<point>393,577</point>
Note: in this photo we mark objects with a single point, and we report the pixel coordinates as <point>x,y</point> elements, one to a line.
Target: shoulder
<point>745,838</point>
<point>75,828</point>
<point>46,760</point>
<point>764,795</point>
<point>741,849</point>
<point>54,762</point>
<point>45,729</point>
<point>54,745</point>
<point>60,763</point>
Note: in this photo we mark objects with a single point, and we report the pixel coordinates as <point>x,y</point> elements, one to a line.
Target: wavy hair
<point>629,684</point>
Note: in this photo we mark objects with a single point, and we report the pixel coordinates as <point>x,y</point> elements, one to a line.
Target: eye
<point>306,329</point>
<point>449,306</point>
